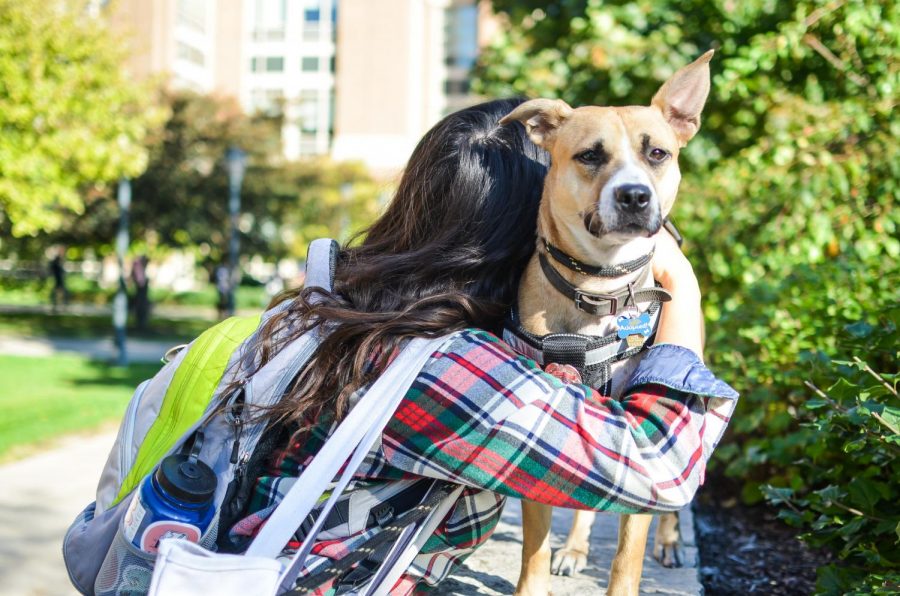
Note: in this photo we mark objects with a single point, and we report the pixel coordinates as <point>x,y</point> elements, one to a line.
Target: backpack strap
<point>352,439</point>
<point>321,261</point>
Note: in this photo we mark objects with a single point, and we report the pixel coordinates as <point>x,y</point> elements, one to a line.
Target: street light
<point>237,163</point>
<point>120,302</point>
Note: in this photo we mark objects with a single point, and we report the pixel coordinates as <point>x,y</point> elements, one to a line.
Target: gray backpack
<point>164,416</point>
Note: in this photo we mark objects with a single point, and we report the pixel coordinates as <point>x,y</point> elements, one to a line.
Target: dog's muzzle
<point>637,210</point>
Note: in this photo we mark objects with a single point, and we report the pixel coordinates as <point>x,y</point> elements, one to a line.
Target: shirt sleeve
<point>480,415</point>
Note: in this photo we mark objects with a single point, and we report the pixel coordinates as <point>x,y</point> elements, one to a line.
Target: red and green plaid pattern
<point>480,415</point>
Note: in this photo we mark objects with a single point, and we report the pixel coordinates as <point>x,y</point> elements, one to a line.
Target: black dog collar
<point>596,270</point>
<point>608,270</point>
<point>603,304</point>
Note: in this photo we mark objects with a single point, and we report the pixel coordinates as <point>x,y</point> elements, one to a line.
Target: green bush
<point>788,203</point>
<point>850,466</point>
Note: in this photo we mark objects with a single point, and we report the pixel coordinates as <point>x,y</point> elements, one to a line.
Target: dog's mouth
<point>627,228</point>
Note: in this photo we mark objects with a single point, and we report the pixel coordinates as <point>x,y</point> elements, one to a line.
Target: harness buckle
<point>596,301</point>
<point>383,514</point>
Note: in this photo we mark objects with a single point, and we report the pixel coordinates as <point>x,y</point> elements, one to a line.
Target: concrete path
<point>42,494</point>
<point>494,569</point>
<point>139,350</point>
<point>40,497</point>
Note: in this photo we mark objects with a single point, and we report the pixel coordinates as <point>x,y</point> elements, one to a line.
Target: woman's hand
<point>670,267</point>
<point>681,321</point>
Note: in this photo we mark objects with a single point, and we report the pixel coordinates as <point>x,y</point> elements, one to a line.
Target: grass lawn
<point>68,325</point>
<point>86,291</point>
<point>45,398</point>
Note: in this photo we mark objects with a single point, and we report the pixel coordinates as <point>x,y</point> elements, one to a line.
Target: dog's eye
<point>589,157</point>
<point>656,154</point>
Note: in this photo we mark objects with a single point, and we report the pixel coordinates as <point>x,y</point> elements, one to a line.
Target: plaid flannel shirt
<point>480,415</point>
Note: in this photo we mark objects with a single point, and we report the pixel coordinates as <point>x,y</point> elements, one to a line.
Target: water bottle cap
<point>186,480</point>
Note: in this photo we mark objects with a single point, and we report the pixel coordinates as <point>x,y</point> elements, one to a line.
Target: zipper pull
<point>235,448</point>
<point>233,417</point>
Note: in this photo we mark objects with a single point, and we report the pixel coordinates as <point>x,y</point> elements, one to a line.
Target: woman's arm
<point>480,415</point>
<point>681,319</point>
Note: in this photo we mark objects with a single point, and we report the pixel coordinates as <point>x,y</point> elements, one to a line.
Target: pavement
<point>42,495</point>
<point>494,568</point>
<point>139,350</point>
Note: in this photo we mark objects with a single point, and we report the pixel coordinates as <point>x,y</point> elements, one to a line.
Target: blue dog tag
<point>639,325</point>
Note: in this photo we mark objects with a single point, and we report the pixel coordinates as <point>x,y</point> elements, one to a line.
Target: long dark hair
<point>447,254</point>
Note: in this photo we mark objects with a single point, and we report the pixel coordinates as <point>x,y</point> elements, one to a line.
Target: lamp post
<point>120,302</point>
<point>237,162</point>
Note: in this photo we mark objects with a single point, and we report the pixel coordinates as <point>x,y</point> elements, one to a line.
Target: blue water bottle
<point>176,501</point>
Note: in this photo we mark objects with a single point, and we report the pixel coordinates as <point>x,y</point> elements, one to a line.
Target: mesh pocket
<point>208,540</point>
<point>126,570</point>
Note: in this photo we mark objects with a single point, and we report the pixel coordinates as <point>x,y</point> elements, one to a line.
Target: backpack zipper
<point>126,460</point>
<point>233,416</point>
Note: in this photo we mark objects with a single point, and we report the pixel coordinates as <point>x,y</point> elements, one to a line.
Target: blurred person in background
<point>59,294</point>
<point>141,291</point>
<point>221,277</point>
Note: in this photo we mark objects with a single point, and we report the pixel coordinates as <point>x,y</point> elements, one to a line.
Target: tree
<point>181,199</point>
<point>788,201</point>
<point>70,117</point>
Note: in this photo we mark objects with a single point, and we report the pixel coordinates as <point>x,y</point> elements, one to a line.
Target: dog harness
<point>592,356</point>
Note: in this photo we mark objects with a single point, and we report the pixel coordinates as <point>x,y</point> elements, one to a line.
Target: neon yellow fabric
<point>188,394</point>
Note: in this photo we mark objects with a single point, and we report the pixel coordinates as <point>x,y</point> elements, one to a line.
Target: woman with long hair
<point>446,257</point>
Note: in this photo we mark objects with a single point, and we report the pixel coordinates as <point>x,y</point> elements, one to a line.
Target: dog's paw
<point>568,561</point>
<point>669,555</point>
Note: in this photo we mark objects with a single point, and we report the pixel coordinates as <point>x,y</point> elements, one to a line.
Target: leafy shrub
<point>789,205</point>
<point>850,468</point>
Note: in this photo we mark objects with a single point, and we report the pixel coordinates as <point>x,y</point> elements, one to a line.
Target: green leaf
<point>864,494</point>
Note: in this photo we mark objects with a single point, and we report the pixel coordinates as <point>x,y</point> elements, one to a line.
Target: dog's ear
<point>541,118</point>
<point>681,98</point>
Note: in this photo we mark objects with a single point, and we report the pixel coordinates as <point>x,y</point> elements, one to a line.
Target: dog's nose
<point>632,198</point>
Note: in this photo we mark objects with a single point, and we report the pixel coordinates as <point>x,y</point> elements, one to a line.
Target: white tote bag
<point>183,567</point>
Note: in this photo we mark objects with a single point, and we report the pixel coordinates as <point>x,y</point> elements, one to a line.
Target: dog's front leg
<point>534,577</point>
<point>625,575</point>
<point>572,557</point>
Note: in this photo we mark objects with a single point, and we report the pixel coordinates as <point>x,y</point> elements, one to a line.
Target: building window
<point>456,87</point>
<point>308,144</point>
<point>274,64</point>
<point>271,16</point>
<point>190,54</point>
<point>267,101</point>
<point>312,13</point>
<point>267,64</point>
<point>309,64</point>
<point>311,31</point>
<point>312,21</point>
<point>461,36</point>
<point>309,111</point>
<point>192,13</point>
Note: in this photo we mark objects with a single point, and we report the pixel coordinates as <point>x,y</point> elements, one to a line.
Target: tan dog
<point>612,182</point>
